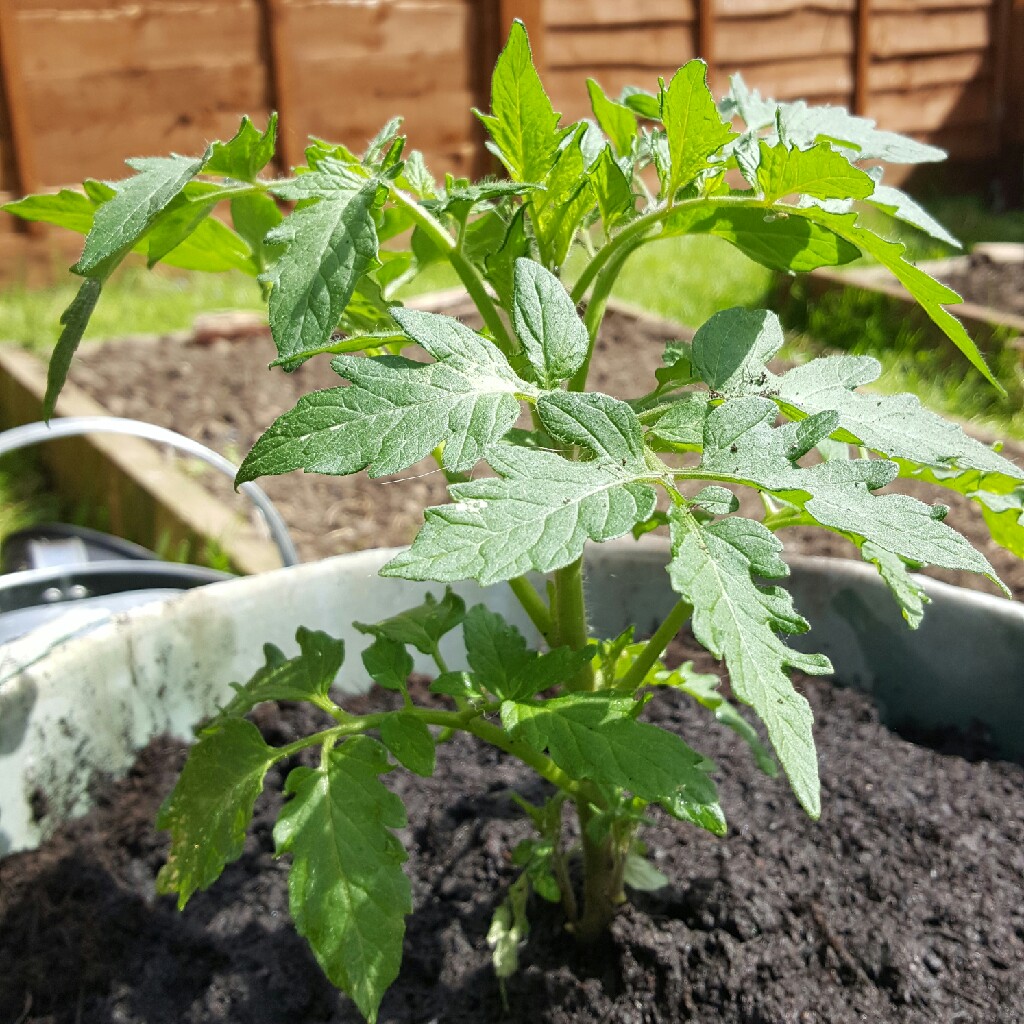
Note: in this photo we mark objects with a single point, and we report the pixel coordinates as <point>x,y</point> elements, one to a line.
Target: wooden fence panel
<point>87,83</point>
<point>924,66</point>
<point>109,79</point>
<point>353,65</point>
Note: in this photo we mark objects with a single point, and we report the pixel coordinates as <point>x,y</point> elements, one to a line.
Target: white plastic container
<point>73,708</point>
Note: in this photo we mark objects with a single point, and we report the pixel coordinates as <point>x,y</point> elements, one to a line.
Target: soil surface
<point>901,905</point>
<point>221,393</point>
<point>990,283</point>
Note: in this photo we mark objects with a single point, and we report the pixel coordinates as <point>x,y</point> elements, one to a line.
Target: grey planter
<point>72,707</point>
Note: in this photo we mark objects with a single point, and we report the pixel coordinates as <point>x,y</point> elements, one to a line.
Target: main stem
<point>603,855</point>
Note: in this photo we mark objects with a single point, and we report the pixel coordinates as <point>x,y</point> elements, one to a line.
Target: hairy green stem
<point>570,619</point>
<point>673,622</point>
<point>603,866</point>
<point>594,315</point>
<point>468,274</point>
<point>534,605</point>
<point>635,234</point>
<point>471,720</point>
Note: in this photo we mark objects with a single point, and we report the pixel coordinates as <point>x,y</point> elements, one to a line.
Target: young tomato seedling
<point>783,182</point>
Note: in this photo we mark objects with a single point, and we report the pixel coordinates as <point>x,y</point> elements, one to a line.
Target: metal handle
<point>74,426</point>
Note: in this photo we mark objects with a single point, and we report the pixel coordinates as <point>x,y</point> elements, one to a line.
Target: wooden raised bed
<point>992,329</point>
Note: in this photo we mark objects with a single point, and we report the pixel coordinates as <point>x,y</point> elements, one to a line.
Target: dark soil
<point>903,904</point>
<point>990,283</point>
<point>223,395</point>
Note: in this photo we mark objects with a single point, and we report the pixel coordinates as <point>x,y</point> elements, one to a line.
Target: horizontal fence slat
<point>80,151</point>
<point>774,8</point>
<point>575,13</point>
<point>909,73</point>
<point>895,34</point>
<point>353,31</point>
<point>140,38</point>
<point>669,44</point>
<point>189,94</point>
<point>798,79</point>
<point>800,34</point>
<point>928,110</point>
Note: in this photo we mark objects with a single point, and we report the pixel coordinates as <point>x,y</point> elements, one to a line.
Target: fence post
<point>291,151</point>
<point>862,57</point>
<point>531,14</point>
<point>705,32</point>
<point>12,80</point>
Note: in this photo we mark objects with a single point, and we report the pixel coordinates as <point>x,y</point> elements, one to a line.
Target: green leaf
<point>388,663</point>
<point>504,665</point>
<point>456,684</point>
<point>781,241</point>
<point>595,736</point>
<point>483,237</point>
<point>930,294</point>
<point>211,806</point>
<point>606,426</point>
<point>416,178</point>
<point>714,567</point>
<point>422,626</point>
<point>644,103</point>
<point>903,208</point>
<point>468,196</point>
<point>523,124</point>
<point>806,125</point>
<point>329,244</point>
<point>909,594</point>
<point>65,209</point>
<point>210,247</point>
<point>615,198</point>
<point>694,127</point>
<point>308,676</point>
<point>410,742</point>
<point>640,874</point>
<point>396,411</point>
<point>122,221</point>
<point>733,347</point>
<point>617,121</point>
<point>508,930</point>
<point>1000,496</point>
<point>381,143</point>
<point>500,265</point>
<point>330,179</point>
<point>546,322</point>
<point>897,426</point>
<point>536,515</point>
<point>682,423</point>
<point>559,211</point>
<point>347,892</point>
<point>74,321</point>
<point>246,154</point>
<point>740,445</point>
<point>254,217</point>
<point>173,225</point>
<point>819,171</point>
<point>704,688</point>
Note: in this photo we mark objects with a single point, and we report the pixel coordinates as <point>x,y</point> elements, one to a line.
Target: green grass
<point>863,323</point>
<point>682,279</point>
<point>136,301</point>
<point>24,498</point>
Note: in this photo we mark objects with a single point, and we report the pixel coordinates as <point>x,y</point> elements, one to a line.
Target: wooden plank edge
<point>151,500</point>
<point>992,330</point>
